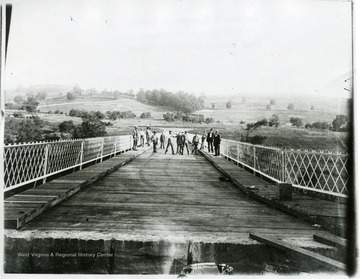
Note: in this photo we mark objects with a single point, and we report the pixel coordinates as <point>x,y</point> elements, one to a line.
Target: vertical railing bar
<point>81,154</point>
<point>102,149</point>
<point>115,143</point>
<point>283,166</point>
<point>254,149</point>
<point>46,161</point>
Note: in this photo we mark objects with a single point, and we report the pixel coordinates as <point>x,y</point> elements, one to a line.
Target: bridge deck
<point>167,197</point>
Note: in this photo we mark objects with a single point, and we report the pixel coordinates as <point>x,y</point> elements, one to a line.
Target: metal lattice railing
<point>315,171</point>
<point>31,162</point>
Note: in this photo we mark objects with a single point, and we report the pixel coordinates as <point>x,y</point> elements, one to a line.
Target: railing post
<point>254,154</point>
<point>102,149</point>
<point>238,152</point>
<point>46,161</point>
<point>81,154</point>
<point>282,166</point>
<point>116,138</point>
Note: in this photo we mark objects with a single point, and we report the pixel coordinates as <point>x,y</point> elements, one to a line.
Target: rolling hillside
<point>247,109</point>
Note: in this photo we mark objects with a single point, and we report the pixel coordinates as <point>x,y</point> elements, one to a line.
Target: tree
<point>251,127</point>
<point>41,95</point>
<point>91,92</point>
<point>70,96</point>
<point>169,117</point>
<point>201,100</point>
<point>291,106</point>
<point>312,107</point>
<point>67,127</point>
<point>100,115</point>
<point>19,100</point>
<point>229,104</point>
<point>339,122</point>
<point>145,115</point>
<point>209,120</point>
<point>296,121</point>
<point>272,102</point>
<point>30,105</point>
<point>274,121</point>
<point>22,130</point>
<point>213,105</point>
<point>11,106</point>
<point>320,125</point>
<point>77,90</point>
<point>90,127</point>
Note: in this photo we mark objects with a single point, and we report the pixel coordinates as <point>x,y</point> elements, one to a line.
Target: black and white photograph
<point>178,138</point>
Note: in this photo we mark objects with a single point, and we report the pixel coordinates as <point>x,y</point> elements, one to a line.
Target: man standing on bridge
<point>185,142</point>
<point>162,140</point>
<point>178,143</point>
<point>170,142</point>
<point>195,142</point>
<point>155,140</point>
<point>203,137</point>
<point>217,141</point>
<point>148,135</point>
<point>142,137</point>
<point>210,140</point>
<point>135,138</point>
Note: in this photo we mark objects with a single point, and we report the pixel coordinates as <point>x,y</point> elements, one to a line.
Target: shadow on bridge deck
<point>158,198</point>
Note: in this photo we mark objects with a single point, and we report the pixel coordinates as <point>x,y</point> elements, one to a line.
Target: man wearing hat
<point>210,140</point>
<point>155,140</point>
<point>135,138</point>
<point>170,143</point>
<point>217,141</point>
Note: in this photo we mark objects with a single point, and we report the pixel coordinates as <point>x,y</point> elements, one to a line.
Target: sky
<point>213,47</point>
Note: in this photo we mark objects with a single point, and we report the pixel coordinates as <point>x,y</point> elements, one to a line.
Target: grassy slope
<point>227,120</point>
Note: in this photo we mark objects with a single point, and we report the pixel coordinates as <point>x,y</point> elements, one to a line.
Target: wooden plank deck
<point>169,197</point>
<point>327,214</point>
<point>27,205</point>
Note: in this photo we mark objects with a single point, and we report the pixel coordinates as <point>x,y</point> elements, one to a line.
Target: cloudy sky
<point>216,47</point>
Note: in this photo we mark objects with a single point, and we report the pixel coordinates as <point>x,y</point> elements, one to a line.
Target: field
<point>102,104</point>
<point>244,109</point>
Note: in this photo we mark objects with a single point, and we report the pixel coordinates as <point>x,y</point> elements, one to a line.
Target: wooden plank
<point>297,251</point>
<point>331,240</point>
<point>65,186</point>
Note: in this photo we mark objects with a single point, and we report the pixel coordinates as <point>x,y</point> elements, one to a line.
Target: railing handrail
<point>289,149</point>
<point>318,171</point>
<point>26,163</point>
<point>60,140</point>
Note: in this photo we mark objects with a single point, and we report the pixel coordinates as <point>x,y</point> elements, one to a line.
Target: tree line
<point>180,101</point>
<point>183,117</point>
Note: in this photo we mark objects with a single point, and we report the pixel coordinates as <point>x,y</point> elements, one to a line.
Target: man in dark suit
<point>135,138</point>
<point>217,141</point>
<point>210,140</point>
<point>178,143</point>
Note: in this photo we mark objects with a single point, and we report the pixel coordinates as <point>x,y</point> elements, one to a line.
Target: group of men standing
<point>181,140</point>
<point>213,140</point>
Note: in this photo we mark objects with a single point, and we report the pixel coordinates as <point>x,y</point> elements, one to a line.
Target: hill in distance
<point>52,90</point>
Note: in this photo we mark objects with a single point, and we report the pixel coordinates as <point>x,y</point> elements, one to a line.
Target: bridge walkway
<point>168,197</point>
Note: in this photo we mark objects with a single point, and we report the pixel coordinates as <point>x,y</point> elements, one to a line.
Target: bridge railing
<point>30,162</point>
<point>322,172</point>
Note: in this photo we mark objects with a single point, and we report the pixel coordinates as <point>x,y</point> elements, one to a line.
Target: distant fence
<point>31,162</point>
<point>322,172</point>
